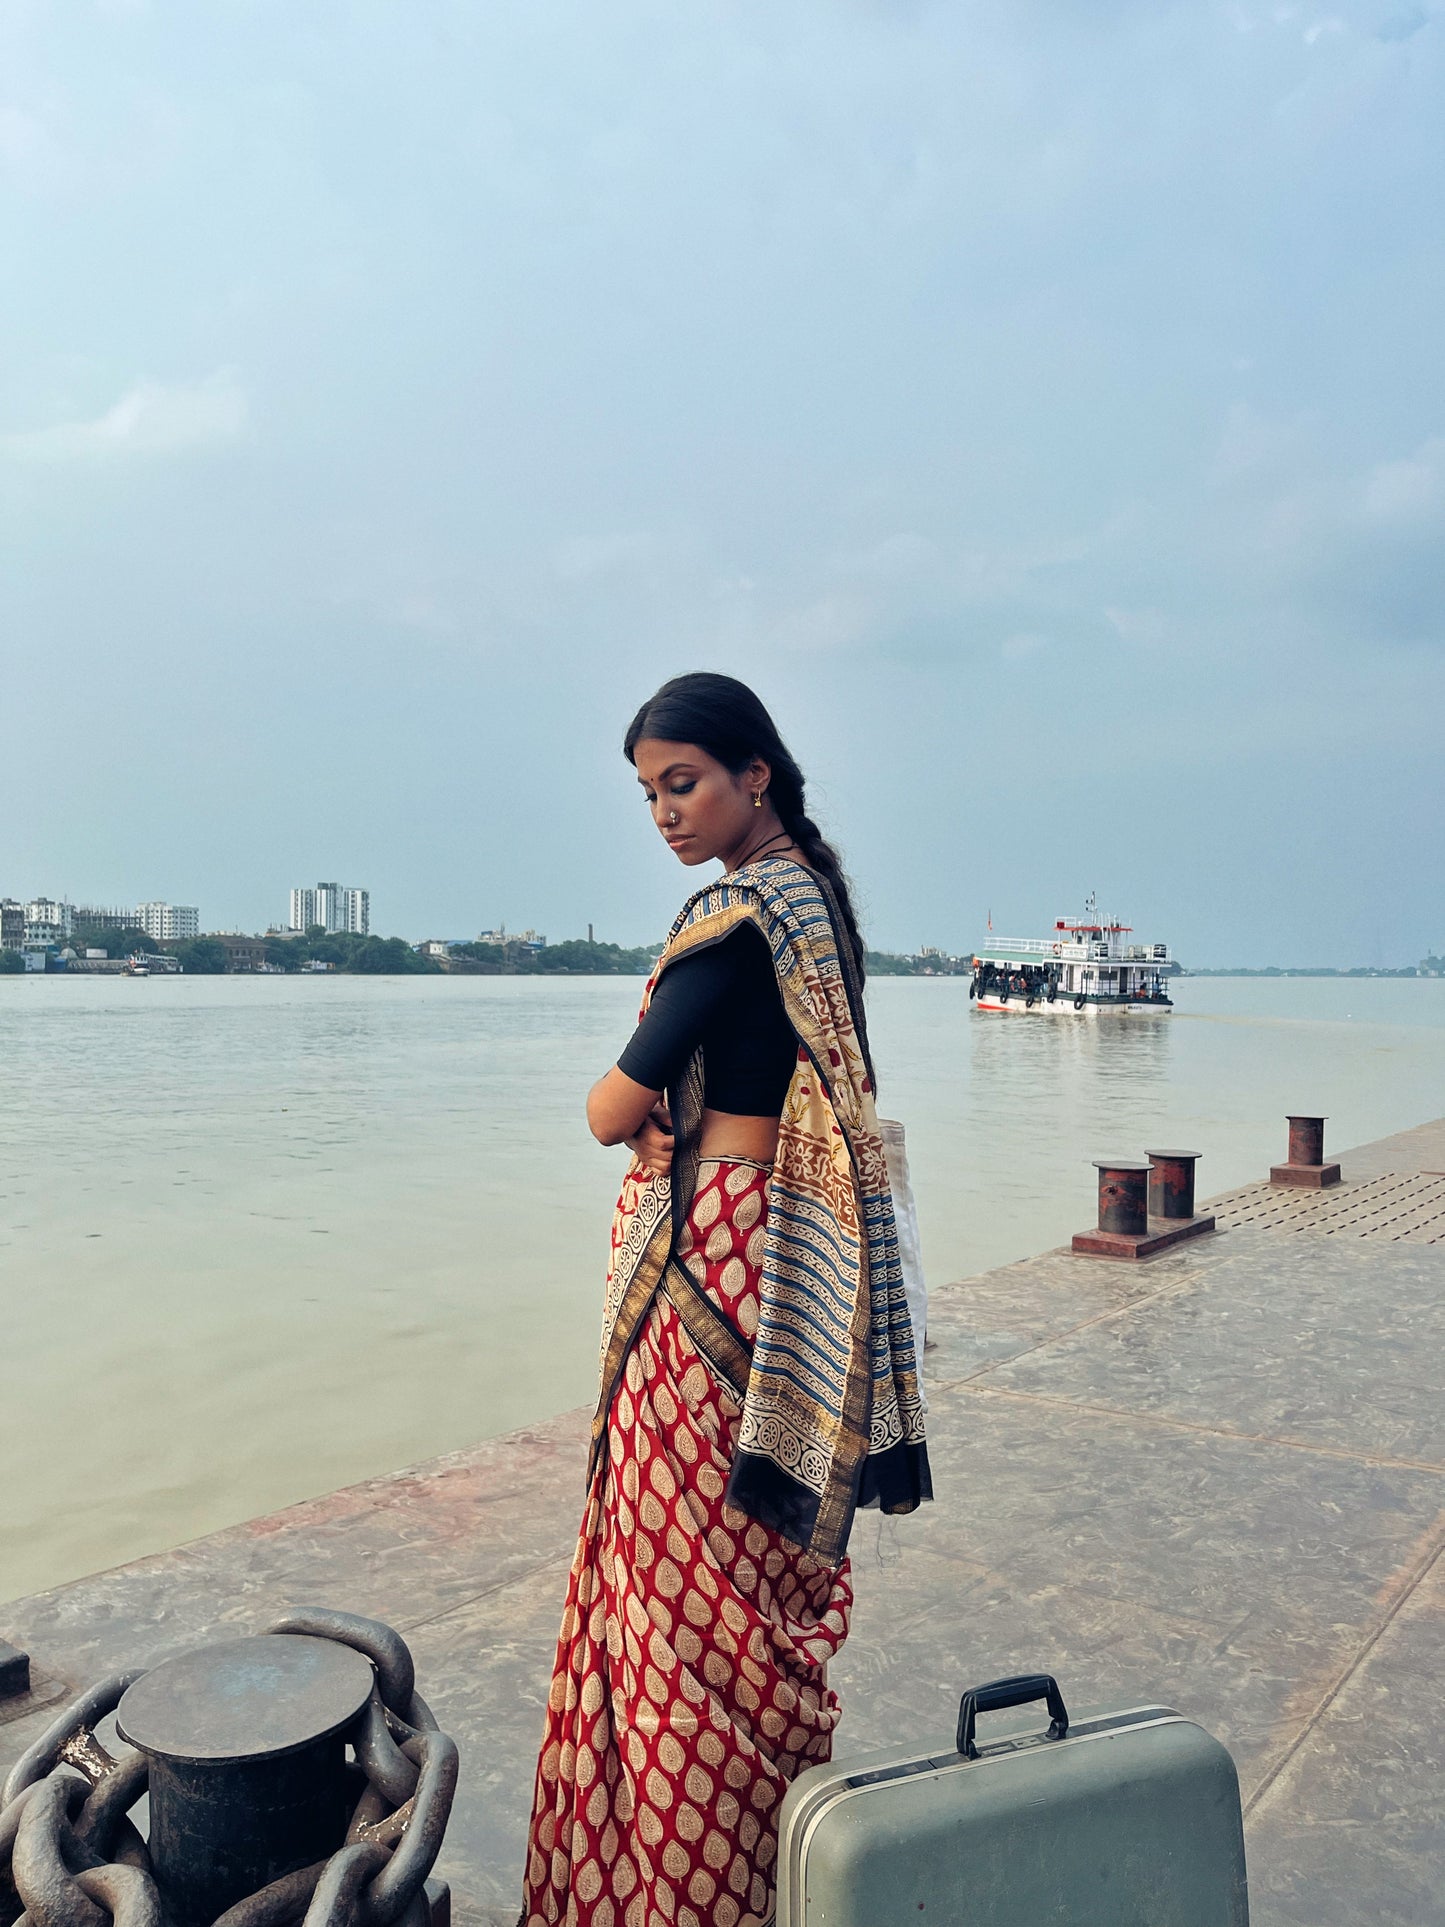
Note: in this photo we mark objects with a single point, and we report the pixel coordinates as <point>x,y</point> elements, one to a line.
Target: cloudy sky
<point>1042,404</point>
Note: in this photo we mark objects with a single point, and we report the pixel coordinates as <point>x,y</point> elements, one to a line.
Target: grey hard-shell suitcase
<point>1126,1820</point>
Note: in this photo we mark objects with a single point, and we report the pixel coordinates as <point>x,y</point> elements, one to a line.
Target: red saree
<point>691,1675</point>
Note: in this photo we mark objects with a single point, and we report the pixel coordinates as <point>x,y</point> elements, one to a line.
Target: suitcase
<point>1126,1820</point>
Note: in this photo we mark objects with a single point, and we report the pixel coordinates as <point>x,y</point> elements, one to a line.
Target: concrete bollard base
<point>1310,1177</point>
<point>1162,1233</point>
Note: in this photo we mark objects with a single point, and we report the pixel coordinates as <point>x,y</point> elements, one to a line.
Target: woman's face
<point>713,808</point>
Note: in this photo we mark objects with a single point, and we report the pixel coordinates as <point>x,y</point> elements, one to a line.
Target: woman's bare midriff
<point>726,1134</point>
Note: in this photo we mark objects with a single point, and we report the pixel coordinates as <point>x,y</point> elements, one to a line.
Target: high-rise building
<point>168,922</point>
<point>48,920</point>
<point>355,911</point>
<point>12,924</point>
<point>338,908</point>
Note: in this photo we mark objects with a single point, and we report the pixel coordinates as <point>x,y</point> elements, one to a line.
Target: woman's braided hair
<point>724,717</point>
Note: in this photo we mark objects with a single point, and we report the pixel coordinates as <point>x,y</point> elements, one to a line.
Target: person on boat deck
<point>758,1379</point>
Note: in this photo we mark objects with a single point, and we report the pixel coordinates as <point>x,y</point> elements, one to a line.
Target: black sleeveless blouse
<point>726,999</point>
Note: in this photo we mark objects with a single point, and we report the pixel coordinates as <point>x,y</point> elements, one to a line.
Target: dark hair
<point>724,717</point>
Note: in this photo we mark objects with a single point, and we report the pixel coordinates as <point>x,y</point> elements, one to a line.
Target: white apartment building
<point>48,921</point>
<point>168,922</point>
<point>338,907</point>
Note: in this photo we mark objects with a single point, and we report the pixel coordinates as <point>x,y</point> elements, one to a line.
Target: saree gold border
<point>711,928</point>
<point>632,1308</point>
<point>715,1339</point>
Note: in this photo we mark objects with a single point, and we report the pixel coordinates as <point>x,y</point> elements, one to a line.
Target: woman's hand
<point>651,1143</point>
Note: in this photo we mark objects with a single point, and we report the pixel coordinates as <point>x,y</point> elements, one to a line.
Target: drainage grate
<point>1406,1206</point>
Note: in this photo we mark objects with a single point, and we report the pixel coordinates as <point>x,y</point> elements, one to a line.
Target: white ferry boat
<point>1087,966</point>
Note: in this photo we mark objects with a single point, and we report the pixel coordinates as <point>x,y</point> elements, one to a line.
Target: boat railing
<point>1069,951</point>
<point>1061,948</point>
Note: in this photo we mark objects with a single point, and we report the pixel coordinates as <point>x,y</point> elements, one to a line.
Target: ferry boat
<point>1085,967</point>
<point>153,964</point>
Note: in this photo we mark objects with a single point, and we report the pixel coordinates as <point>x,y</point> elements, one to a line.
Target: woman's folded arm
<point>618,1107</point>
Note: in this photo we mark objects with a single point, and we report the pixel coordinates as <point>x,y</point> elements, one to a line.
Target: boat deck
<point>1216,1479</point>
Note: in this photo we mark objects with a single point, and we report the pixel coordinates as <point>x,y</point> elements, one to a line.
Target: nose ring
<point>673,817</point>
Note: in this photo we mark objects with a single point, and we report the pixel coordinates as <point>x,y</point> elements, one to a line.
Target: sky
<point>1042,406</point>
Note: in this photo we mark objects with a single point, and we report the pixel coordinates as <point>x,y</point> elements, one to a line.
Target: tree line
<point>371,956</point>
<point>394,956</point>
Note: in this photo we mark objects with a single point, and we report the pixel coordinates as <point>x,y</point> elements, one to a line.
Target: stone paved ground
<point>1216,1479</point>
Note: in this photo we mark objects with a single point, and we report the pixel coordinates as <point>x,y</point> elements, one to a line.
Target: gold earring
<point>757,799</point>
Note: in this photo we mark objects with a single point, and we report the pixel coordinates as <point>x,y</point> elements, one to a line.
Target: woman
<point>758,1378</point>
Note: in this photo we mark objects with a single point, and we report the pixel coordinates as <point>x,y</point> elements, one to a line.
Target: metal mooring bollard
<point>257,1815</point>
<point>1143,1208</point>
<point>1171,1183</point>
<point>1123,1198</point>
<point>1306,1140</point>
<point>247,1763</point>
<point>1306,1166</point>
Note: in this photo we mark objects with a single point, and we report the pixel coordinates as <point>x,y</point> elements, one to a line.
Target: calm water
<point>260,1237</point>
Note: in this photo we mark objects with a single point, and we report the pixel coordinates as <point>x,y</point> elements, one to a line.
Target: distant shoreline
<point>1308,970</point>
<point>321,954</point>
<point>89,972</point>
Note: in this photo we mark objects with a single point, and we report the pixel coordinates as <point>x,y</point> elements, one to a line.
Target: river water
<point>260,1237</point>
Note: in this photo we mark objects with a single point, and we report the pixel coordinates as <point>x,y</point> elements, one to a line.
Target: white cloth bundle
<point>910,1255</point>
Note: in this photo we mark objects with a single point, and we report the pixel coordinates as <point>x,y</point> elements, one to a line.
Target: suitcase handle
<point>1000,1693</point>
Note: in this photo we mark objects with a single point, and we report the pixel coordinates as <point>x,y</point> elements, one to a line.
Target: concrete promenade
<point>1215,1479</point>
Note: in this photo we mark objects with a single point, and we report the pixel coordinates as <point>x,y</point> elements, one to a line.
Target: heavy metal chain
<point>71,1857</point>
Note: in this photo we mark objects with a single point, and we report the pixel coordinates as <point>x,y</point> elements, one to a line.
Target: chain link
<point>71,1857</point>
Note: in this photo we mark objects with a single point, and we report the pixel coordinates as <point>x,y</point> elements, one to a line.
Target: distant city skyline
<point>1042,407</point>
<point>55,920</point>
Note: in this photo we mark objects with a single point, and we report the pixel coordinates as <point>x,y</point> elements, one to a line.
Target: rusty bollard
<point>1306,1166</point>
<point>1143,1208</point>
<point>1171,1183</point>
<point>1123,1197</point>
<point>1123,1210</point>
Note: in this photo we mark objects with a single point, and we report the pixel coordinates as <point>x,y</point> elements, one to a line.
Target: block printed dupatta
<point>831,1417</point>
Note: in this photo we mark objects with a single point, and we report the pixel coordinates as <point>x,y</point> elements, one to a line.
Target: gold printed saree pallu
<point>831,1416</point>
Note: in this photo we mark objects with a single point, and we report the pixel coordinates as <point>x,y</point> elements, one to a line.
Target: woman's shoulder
<point>773,874</point>
<point>786,892</point>
<point>770,889</point>
<point>740,885</point>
